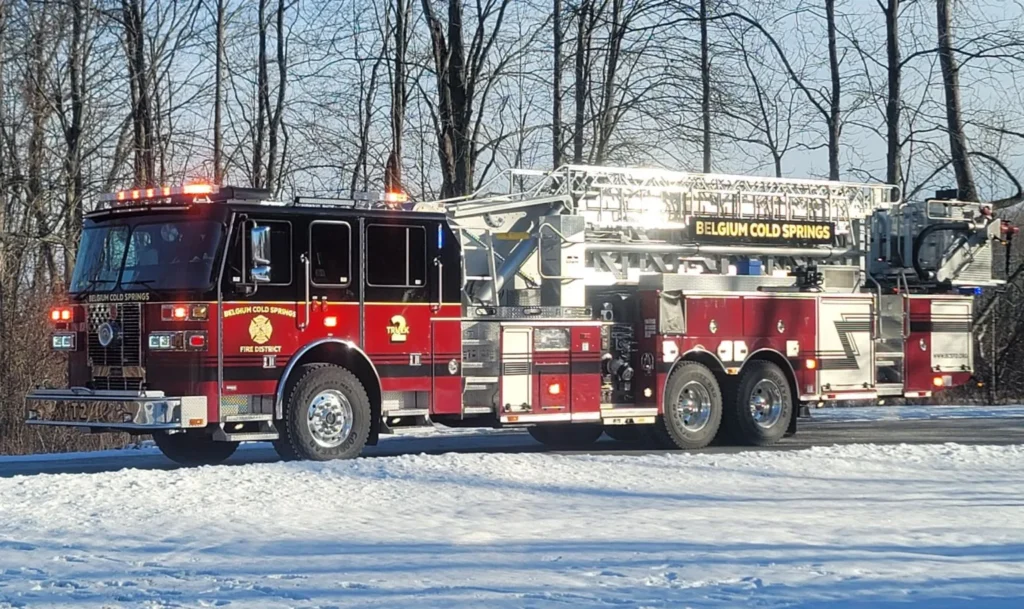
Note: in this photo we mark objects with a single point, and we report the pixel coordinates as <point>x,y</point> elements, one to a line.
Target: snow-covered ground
<point>852,526</point>
<point>915,413</point>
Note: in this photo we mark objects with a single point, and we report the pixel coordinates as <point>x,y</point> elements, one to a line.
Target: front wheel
<point>693,407</point>
<point>761,406</point>
<point>326,416</point>
<point>184,448</point>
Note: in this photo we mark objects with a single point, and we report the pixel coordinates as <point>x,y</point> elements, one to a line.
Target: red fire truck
<point>662,308</point>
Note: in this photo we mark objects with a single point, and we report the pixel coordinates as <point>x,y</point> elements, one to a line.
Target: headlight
<point>177,341</point>
<point>63,341</point>
<point>165,341</point>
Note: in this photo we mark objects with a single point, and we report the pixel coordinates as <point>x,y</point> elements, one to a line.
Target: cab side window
<point>239,257</point>
<point>396,256</point>
<point>280,251</point>
<point>330,252</point>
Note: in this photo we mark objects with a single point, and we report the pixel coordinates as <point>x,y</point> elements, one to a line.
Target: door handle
<point>305,275</point>
<point>440,286</point>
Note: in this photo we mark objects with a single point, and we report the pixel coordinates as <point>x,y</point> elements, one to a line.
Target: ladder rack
<point>612,196</point>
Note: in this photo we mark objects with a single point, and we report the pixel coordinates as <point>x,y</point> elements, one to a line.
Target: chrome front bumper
<point>142,411</point>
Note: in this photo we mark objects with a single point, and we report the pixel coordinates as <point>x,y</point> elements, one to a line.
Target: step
<point>477,409</point>
<point>247,418</point>
<point>483,380</point>
<point>407,412</point>
<point>255,436</point>
<point>886,389</point>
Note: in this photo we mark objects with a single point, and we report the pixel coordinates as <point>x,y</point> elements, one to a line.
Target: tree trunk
<point>273,169</point>
<point>75,180</point>
<point>218,96</point>
<point>457,82</point>
<point>606,126</point>
<point>262,98</point>
<point>954,117</point>
<point>134,13</point>
<point>705,80</point>
<point>834,125</point>
<point>446,145</point>
<point>582,86</point>
<point>393,171</point>
<point>893,102</point>
<point>556,86</point>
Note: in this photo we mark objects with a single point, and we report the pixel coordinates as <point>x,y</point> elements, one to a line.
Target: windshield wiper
<point>79,295</point>
<point>146,283</point>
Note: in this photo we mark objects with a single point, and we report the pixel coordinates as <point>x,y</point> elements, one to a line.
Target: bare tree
<point>705,81</point>
<point>460,76</point>
<point>134,17</point>
<point>400,38</point>
<point>556,85</point>
<point>218,93</point>
<point>586,22</point>
<point>893,100</point>
<point>954,111</point>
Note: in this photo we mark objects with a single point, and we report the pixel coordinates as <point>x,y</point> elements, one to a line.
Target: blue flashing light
<point>440,237</point>
<point>975,291</point>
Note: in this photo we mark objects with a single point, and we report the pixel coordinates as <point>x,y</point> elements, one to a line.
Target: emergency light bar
<point>163,192</point>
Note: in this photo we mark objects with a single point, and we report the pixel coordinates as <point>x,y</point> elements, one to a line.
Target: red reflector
<point>197,341</point>
<point>331,321</point>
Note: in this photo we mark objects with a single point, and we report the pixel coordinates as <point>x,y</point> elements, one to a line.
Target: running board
<point>254,436</point>
<point>259,430</point>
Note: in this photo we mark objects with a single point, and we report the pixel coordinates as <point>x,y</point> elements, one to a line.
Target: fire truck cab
<point>662,308</point>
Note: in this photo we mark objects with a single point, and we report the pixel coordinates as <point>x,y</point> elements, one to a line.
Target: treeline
<point>432,96</point>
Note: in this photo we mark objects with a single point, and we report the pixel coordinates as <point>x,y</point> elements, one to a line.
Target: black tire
<point>187,448</point>
<point>333,386</point>
<point>759,406</point>
<point>693,408</point>
<point>566,436</point>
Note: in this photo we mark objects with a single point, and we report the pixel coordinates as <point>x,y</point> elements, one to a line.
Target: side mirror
<point>259,238</point>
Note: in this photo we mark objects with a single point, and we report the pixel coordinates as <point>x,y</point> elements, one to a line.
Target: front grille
<point>118,366</point>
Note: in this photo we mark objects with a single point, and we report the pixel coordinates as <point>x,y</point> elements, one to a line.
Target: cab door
<point>333,278</point>
<point>396,310</point>
<point>259,322</point>
<point>412,308</point>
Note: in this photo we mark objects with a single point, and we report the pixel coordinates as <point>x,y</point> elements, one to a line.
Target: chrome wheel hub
<point>693,408</point>
<point>766,403</point>
<point>329,418</point>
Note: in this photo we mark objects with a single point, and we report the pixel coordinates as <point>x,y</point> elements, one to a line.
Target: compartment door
<point>516,369</point>
<point>845,344</point>
<point>952,342</point>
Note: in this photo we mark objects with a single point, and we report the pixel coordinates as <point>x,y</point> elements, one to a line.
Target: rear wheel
<point>326,415</point>
<point>567,435</point>
<point>760,407</point>
<point>191,449</point>
<point>693,407</point>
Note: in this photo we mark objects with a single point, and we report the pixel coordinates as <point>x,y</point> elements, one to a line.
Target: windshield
<point>176,255</point>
